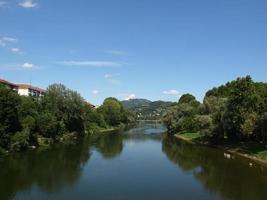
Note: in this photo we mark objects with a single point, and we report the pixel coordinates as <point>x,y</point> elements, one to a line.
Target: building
<point>24,89</point>
<point>90,105</point>
<point>9,85</point>
<point>29,90</point>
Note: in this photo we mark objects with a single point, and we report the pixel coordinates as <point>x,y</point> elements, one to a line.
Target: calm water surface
<point>141,163</point>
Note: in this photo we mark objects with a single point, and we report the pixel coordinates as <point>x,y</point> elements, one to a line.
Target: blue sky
<point>125,48</point>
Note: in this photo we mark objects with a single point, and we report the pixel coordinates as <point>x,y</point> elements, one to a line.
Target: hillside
<point>146,109</point>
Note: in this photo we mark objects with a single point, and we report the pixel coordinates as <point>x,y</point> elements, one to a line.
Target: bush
<point>69,138</point>
<point>20,141</point>
<point>44,142</point>
<point>203,124</point>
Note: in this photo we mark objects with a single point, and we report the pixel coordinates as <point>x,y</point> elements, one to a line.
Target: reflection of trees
<point>230,179</point>
<point>51,170</point>
<point>109,145</point>
<point>142,137</point>
<point>145,131</point>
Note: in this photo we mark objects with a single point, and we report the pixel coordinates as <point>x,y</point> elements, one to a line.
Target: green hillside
<point>147,110</point>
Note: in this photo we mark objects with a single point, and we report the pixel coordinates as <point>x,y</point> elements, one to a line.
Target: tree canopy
<point>236,110</point>
<point>62,113</point>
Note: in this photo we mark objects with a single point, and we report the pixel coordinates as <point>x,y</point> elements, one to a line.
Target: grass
<point>190,136</point>
<point>252,149</point>
<point>262,154</point>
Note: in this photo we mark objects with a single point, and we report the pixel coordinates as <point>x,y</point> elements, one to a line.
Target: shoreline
<point>69,141</point>
<point>226,149</point>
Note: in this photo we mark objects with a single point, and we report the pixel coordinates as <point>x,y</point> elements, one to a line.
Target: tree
<point>66,105</point>
<point>186,98</point>
<point>204,124</point>
<point>9,119</point>
<point>180,118</point>
<point>243,100</point>
<point>112,111</point>
<point>48,126</point>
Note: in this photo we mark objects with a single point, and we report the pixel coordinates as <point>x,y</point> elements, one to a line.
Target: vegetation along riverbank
<point>232,116</point>
<point>62,115</point>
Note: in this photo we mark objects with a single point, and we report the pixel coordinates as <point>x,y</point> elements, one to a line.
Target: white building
<point>29,90</point>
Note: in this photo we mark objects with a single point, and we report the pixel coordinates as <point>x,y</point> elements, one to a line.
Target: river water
<point>142,163</point>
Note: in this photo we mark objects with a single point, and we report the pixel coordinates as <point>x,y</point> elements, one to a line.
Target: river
<point>141,163</point>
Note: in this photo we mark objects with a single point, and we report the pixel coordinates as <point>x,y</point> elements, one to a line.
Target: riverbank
<point>254,151</point>
<point>66,139</point>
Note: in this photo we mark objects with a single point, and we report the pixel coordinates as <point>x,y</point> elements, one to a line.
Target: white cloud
<point>5,40</point>
<point>107,76</point>
<point>91,63</point>
<point>28,4</point>
<point>15,50</point>
<point>95,92</point>
<point>18,66</point>
<point>3,3</point>
<point>9,39</point>
<point>28,65</point>
<point>111,78</point>
<point>171,92</point>
<point>131,96</point>
<point>116,52</point>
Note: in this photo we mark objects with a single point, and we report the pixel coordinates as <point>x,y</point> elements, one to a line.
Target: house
<point>90,105</point>
<point>24,89</point>
<point>9,85</point>
<point>29,90</point>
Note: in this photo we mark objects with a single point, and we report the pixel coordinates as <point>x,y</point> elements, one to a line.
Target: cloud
<point>5,40</point>
<point>28,65</point>
<point>18,66</point>
<point>131,96</point>
<point>171,92</point>
<point>16,50</point>
<point>116,52</point>
<point>95,92</point>
<point>108,76</point>
<point>90,63</point>
<point>3,3</point>
<point>111,78</point>
<point>28,4</point>
<point>9,39</point>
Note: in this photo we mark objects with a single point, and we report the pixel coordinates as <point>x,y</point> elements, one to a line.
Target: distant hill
<point>134,103</point>
<point>146,109</point>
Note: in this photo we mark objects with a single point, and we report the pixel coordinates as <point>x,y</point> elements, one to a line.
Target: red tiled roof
<point>89,104</point>
<point>26,86</point>
<point>7,83</point>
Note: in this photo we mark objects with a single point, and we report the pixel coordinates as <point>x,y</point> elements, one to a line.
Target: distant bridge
<point>152,121</point>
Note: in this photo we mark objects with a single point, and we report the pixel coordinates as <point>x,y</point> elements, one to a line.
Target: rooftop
<point>23,86</point>
<point>8,83</point>
<point>26,86</point>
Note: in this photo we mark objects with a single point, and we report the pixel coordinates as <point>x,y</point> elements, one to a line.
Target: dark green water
<point>138,164</point>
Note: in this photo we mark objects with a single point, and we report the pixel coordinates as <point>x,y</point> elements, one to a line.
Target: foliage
<point>62,115</point>
<point>236,110</point>
<point>113,112</point>
<point>186,98</point>
<point>147,110</point>
<point>182,116</point>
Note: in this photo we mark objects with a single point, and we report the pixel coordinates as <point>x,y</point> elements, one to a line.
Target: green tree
<point>243,101</point>
<point>112,111</point>
<point>9,119</point>
<point>186,98</point>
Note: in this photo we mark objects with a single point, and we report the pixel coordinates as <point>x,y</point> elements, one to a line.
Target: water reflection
<point>145,131</point>
<point>50,170</point>
<point>229,179</point>
<point>109,165</point>
<point>109,145</point>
